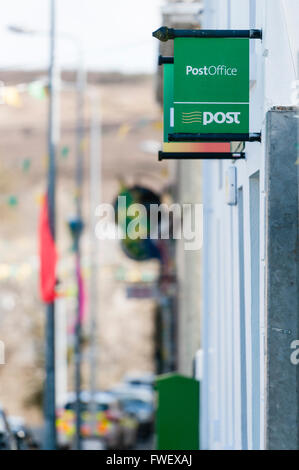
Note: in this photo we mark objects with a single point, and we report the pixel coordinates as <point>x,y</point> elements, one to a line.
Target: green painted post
<point>177,419</point>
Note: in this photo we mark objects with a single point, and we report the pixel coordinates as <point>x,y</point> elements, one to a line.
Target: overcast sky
<point>115,34</point>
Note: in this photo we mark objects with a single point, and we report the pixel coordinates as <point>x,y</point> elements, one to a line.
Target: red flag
<point>47,255</point>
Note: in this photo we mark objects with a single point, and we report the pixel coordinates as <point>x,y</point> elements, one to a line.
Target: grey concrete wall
<point>282,280</point>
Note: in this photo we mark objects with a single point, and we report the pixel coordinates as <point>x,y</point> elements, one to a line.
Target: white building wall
<point>234,245</point>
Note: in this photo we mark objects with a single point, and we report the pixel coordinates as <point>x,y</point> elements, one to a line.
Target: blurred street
<point>128,133</point>
<point>124,162</point>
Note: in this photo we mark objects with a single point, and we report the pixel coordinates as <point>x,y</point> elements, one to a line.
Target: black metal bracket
<point>179,137</point>
<point>165,34</point>
<point>201,156</point>
<point>165,60</point>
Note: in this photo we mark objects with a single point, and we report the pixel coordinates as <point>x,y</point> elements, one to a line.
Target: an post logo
<point>207,118</point>
<point>191,118</point>
<point>221,118</point>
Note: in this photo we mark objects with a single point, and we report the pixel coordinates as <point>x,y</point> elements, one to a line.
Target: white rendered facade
<point>233,286</point>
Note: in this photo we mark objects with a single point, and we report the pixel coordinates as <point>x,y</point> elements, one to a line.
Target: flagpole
<point>95,200</point>
<point>49,397</point>
<point>81,85</point>
<point>78,339</point>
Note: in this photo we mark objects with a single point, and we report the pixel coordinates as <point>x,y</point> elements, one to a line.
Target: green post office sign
<point>211,85</point>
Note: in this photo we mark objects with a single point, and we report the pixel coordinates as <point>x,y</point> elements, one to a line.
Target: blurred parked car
<point>7,440</point>
<point>23,436</point>
<point>126,421</point>
<point>137,401</point>
<point>112,427</point>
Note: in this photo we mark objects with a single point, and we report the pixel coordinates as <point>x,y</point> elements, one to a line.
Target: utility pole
<point>49,407</point>
<point>95,199</point>
<point>78,334</point>
<point>81,84</point>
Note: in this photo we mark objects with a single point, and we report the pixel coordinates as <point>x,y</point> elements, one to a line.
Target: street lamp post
<point>80,86</point>
<point>76,227</point>
<point>49,407</point>
<point>95,199</point>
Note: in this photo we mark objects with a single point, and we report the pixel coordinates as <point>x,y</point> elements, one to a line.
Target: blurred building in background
<point>186,189</point>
